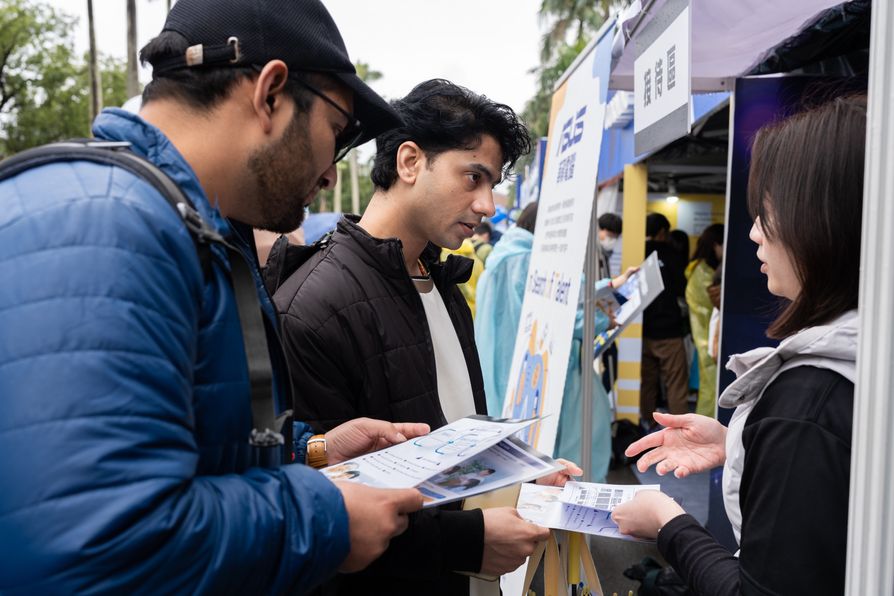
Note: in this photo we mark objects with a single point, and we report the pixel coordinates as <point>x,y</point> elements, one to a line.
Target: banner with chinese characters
<point>661,82</point>
<point>546,327</point>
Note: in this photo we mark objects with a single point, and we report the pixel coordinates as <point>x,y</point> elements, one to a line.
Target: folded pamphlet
<point>473,455</point>
<point>579,507</point>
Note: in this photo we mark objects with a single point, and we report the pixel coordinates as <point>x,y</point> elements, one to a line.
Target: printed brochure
<point>630,300</point>
<point>473,455</point>
<point>579,507</point>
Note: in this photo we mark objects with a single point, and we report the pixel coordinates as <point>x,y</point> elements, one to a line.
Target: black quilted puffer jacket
<point>357,343</point>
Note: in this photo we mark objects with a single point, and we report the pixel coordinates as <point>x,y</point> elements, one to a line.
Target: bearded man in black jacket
<point>374,325</point>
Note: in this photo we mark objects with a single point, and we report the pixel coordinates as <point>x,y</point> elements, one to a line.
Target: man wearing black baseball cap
<point>130,463</point>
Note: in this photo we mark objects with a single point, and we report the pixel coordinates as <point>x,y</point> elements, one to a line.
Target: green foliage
<point>582,18</point>
<point>44,86</point>
<point>573,23</point>
<point>536,112</point>
<point>365,73</point>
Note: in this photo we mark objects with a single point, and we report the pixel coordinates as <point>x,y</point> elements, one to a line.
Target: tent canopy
<point>729,37</point>
<point>617,141</point>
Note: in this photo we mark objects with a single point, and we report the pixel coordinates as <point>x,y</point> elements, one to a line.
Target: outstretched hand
<point>688,444</point>
<point>364,435</point>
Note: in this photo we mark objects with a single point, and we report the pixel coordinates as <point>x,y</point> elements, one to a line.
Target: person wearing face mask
<point>787,451</point>
<point>610,225</point>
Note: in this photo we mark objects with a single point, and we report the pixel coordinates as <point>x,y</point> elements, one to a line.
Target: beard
<point>284,178</point>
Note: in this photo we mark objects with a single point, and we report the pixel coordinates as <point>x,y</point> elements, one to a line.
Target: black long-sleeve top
<point>793,496</point>
<point>663,319</point>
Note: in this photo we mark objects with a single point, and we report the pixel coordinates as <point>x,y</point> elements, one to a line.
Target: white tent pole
<point>870,555</point>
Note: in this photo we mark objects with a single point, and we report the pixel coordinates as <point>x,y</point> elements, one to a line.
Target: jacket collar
<point>832,346</point>
<point>115,124</point>
<point>386,254</point>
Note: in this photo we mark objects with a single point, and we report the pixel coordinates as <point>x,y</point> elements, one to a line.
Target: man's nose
<point>485,204</point>
<point>327,180</point>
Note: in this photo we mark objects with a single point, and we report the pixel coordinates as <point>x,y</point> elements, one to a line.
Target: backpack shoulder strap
<point>118,154</point>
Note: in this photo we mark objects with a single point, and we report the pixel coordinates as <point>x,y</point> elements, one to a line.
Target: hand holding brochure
<point>630,300</point>
<point>473,455</point>
<point>579,507</point>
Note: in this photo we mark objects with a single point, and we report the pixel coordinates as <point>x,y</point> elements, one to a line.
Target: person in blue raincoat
<point>501,290</point>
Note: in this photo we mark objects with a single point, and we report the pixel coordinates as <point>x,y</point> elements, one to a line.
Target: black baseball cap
<point>301,33</point>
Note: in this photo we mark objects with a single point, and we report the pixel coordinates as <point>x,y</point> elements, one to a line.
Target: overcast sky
<point>486,45</point>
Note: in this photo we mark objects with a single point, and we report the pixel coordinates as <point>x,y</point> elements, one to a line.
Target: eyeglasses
<point>347,138</point>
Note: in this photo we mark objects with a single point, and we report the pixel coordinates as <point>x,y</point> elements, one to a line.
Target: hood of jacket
<point>115,124</point>
<point>513,242</point>
<point>831,346</point>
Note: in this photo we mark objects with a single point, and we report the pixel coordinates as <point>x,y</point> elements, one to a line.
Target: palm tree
<point>133,80</point>
<point>584,17</point>
<point>557,51</point>
<point>95,84</point>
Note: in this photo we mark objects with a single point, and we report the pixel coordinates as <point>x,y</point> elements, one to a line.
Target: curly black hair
<point>441,116</point>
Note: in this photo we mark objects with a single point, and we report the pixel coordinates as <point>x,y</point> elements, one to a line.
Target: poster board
<point>546,326</point>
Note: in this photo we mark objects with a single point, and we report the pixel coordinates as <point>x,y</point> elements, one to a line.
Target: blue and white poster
<point>543,343</point>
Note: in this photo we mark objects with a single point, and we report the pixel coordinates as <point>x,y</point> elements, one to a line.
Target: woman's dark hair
<point>806,186</point>
<point>704,248</point>
<point>203,88</point>
<point>440,116</point>
<point>528,218</point>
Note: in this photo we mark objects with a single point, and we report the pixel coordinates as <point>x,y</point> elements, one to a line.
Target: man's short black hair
<point>440,116</point>
<point>611,222</point>
<point>204,88</point>
<point>655,222</point>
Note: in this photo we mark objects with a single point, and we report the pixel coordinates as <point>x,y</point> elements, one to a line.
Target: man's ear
<point>410,159</point>
<point>269,92</point>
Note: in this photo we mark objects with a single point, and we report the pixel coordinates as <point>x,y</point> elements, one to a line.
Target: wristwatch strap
<point>316,452</point>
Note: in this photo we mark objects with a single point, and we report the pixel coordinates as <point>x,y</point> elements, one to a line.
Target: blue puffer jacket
<point>124,400</point>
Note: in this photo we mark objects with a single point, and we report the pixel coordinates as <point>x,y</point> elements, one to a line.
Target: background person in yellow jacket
<point>707,257</point>
<point>467,249</point>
